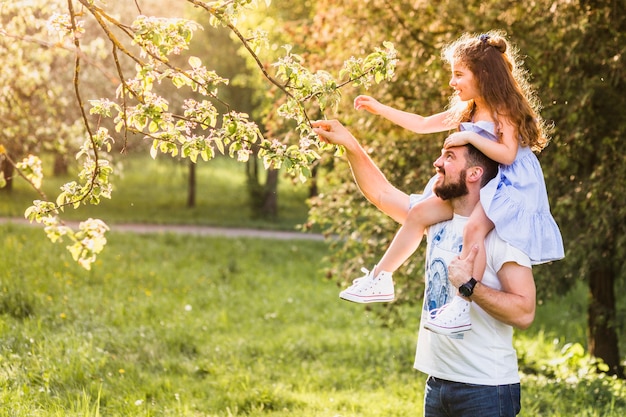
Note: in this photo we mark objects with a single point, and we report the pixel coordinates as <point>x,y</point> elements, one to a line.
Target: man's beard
<point>452,190</point>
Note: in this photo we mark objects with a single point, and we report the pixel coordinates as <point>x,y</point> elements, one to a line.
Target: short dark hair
<point>477,158</point>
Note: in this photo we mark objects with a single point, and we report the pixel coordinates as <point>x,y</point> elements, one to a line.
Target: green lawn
<point>155,191</point>
<point>181,325</point>
<point>173,325</point>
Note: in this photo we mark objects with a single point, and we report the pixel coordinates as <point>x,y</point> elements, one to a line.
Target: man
<point>475,373</point>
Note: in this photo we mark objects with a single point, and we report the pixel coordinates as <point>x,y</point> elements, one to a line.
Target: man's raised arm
<point>370,180</point>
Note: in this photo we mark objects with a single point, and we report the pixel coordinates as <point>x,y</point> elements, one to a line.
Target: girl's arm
<point>502,152</point>
<point>411,121</point>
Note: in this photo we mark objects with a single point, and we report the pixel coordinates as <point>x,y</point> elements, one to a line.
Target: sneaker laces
<point>435,312</point>
<point>359,279</point>
<point>457,311</point>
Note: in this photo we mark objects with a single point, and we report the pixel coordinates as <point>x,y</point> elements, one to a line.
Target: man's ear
<point>475,174</point>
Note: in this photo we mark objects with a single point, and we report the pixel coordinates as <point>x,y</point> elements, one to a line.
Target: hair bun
<point>497,42</point>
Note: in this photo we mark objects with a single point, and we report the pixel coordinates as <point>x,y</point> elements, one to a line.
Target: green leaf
<point>153,126</point>
<point>179,80</point>
<point>195,62</point>
<point>30,213</point>
<point>154,150</point>
<point>61,199</point>
<point>220,145</point>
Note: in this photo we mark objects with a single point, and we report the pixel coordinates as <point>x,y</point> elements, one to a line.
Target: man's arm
<point>515,304</point>
<point>370,180</point>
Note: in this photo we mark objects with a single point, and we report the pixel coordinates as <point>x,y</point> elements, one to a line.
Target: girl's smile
<point>463,82</point>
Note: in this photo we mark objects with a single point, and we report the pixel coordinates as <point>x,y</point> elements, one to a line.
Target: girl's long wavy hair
<point>502,83</point>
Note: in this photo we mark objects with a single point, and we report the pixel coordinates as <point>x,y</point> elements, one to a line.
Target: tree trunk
<point>263,197</point>
<point>313,190</point>
<point>603,340</point>
<point>191,185</point>
<point>60,165</point>
<point>269,206</point>
<point>8,170</point>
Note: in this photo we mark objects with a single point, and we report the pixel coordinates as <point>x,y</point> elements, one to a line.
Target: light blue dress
<point>516,201</point>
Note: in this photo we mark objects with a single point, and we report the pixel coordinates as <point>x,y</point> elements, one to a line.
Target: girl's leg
<point>407,240</point>
<point>474,234</point>
<point>454,317</point>
<point>377,285</point>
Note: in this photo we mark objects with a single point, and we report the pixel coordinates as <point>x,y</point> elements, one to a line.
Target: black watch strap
<point>467,289</point>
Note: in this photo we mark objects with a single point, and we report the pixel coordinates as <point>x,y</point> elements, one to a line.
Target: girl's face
<point>463,82</point>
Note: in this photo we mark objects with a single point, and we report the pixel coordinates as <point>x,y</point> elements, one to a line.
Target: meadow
<point>176,325</point>
<point>155,191</point>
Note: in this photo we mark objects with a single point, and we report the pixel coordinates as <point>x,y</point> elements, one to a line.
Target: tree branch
<point>80,102</point>
<point>246,45</point>
<point>23,176</point>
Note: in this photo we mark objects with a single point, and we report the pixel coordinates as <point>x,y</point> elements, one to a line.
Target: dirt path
<point>191,229</point>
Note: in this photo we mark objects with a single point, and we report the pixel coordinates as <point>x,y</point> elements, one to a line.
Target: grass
<point>155,191</point>
<point>182,325</point>
<point>172,325</point>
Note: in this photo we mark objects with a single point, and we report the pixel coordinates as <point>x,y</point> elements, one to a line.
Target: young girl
<point>495,110</point>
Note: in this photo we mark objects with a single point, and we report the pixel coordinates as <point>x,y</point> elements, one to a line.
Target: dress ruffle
<point>516,201</point>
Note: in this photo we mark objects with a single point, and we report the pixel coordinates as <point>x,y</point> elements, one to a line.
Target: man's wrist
<point>467,289</point>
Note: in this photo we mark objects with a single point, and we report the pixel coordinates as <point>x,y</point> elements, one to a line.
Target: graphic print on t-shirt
<point>446,243</point>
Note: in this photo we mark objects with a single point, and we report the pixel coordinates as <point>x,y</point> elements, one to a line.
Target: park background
<point>165,324</point>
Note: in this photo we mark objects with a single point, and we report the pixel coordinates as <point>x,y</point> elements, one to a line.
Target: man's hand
<point>331,131</point>
<point>460,270</point>
<point>371,181</point>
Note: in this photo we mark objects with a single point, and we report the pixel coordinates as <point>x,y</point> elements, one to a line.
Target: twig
<point>80,103</point>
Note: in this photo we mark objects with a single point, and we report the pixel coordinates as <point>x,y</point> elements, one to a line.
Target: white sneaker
<point>452,318</point>
<point>370,289</point>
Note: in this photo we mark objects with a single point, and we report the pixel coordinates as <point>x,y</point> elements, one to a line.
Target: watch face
<point>467,289</point>
<point>465,292</point>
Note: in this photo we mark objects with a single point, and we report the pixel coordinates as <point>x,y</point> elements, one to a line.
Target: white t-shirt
<point>485,354</point>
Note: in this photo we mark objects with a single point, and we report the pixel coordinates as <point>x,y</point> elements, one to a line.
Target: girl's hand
<point>457,139</point>
<point>367,103</point>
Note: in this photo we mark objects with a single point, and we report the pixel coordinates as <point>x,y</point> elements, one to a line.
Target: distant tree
<point>580,66</point>
<point>35,114</point>
<point>293,18</point>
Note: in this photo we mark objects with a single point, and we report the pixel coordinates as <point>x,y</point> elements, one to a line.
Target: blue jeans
<point>454,399</point>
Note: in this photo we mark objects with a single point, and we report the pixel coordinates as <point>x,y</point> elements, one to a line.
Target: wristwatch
<point>467,289</point>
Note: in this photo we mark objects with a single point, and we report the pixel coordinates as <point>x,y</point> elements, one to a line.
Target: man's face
<point>451,170</point>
